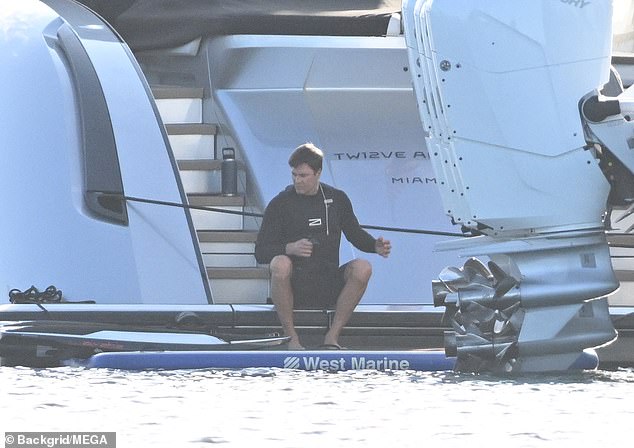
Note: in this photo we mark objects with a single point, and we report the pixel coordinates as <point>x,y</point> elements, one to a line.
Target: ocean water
<point>284,408</point>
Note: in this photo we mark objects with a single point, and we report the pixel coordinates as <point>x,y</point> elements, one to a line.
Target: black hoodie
<point>290,217</point>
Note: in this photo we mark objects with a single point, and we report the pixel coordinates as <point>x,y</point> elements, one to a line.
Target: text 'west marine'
<point>353,363</point>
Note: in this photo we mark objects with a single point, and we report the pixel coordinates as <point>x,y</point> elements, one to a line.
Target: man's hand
<point>300,248</point>
<point>383,247</point>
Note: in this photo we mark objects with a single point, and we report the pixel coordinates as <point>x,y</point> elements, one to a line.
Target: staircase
<point>227,247</point>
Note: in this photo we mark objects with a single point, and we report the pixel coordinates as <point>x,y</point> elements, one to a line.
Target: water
<point>283,408</point>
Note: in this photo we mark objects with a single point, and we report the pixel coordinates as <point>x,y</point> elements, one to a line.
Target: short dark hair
<point>308,154</point>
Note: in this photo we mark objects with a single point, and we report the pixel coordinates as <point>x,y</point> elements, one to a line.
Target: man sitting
<point>299,239</point>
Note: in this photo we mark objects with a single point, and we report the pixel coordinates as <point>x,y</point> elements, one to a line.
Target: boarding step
<point>228,248</point>
<point>204,176</point>
<point>179,104</point>
<point>239,285</point>
<point>192,141</point>
<point>228,217</point>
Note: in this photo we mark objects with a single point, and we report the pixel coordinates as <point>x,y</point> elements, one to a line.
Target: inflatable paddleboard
<point>330,360</point>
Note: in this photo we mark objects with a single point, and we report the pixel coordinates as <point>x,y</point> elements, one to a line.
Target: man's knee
<point>359,270</point>
<point>281,267</point>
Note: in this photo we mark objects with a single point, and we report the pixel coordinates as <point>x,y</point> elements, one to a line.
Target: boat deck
<point>372,327</point>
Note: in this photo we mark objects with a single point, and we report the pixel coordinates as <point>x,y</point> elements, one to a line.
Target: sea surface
<point>285,408</point>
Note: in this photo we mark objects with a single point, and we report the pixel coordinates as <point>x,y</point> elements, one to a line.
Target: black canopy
<point>147,24</point>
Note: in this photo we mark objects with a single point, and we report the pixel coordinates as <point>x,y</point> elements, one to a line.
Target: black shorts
<point>316,287</point>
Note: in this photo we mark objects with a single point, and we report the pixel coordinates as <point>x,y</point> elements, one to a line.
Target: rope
<point>260,215</point>
<point>33,295</point>
<point>53,295</point>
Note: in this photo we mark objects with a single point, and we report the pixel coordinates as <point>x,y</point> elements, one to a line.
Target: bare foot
<point>295,345</point>
<point>330,340</point>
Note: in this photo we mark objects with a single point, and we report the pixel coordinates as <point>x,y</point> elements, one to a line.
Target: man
<point>300,237</point>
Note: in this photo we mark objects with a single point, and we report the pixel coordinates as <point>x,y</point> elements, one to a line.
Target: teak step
<point>175,92</point>
<point>204,165</point>
<point>192,141</point>
<point>179,104</point>
<point>211,236</point>
<point>191,129</point>
<point>228,248</point>
<point>259,272</point>
<point>204,176</point>
<point>215,200</point>
<point>214,220</point>
<point>239,285</point>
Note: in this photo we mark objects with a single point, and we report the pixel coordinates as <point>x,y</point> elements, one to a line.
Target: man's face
<point>305,180</point>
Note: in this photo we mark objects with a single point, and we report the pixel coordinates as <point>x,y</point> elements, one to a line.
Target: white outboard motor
<point>499,90</point>
<point>79,132</point>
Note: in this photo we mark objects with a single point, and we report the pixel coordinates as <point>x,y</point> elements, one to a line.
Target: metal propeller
<point>476,267</point>
<point>485,319</point>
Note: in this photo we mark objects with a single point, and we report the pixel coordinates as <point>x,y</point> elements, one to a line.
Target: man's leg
<point>281,268</point>
<point>356,276</point>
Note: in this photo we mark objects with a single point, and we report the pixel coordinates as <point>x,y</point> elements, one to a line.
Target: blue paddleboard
<point>332,360</point>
